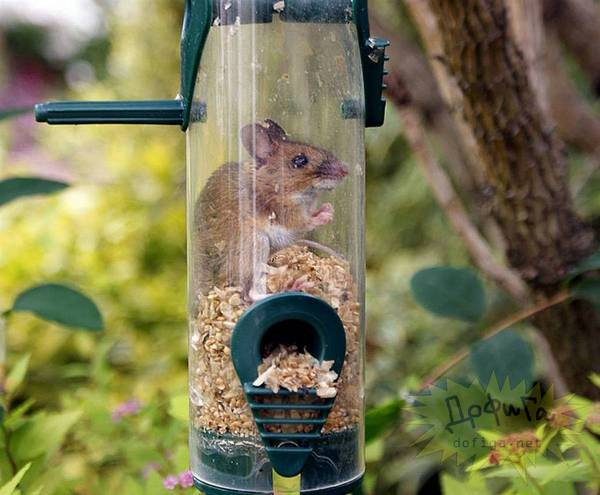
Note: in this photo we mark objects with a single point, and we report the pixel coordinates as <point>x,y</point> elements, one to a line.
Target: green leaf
<point>547,439</point>
<point>154,484</point>
<point>132,487</point>
<point>478,465</point>
<point>179,407</point>
<point>60,304</point>
<point>565,471</point>
<point>587,265</point>
<point>17,374</point>
<point>9,113</point>
<point>380,419</point>
<point>450,292</point>
<point>508,355</point>
<point>43,434</point>
<point>16,417</point>
<point>375,450</point>
<point>588,289</point>
<point>10,487</point>
<point>474,484</point>
<point>18,187</point>
<point>559,488</point>
<point>545,472</point>
<point>181,458</point>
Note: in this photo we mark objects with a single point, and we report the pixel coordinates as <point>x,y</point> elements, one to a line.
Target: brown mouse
<point>249,210</point>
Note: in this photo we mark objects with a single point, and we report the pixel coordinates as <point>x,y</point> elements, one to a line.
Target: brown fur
<point>244,207</point>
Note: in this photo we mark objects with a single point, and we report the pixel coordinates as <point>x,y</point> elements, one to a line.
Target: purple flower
<point>129,408</point>
<point>186,479</point>
<point>170,482</point>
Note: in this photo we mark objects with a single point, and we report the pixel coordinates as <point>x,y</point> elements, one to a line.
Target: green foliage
<point>473,485</point>
<point>60,304</point>
<point>588,289</point>
<point>507,355</point>
<point>179,407</point>
<point>41,435</point>
<point>11,487</point>
<point>450,292</point>
<point>587,265</point>
<point>11,189</point>
<point>380,419</point>
<point>17,374</point>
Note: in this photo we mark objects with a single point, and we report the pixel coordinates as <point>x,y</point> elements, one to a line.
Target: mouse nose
<point>343,169</point>
<point>334,169</point>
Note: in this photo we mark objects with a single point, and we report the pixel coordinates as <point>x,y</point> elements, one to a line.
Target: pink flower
<point>129,408</point>
<point>186,479</point>
<point>170,482</point>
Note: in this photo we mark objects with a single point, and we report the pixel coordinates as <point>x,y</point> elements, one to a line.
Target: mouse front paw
<point>255,295</point>
<point>323,215</point>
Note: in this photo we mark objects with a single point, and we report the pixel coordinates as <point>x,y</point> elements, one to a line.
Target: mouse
<point>249,210</point>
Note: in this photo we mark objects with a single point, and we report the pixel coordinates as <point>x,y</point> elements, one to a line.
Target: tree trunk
<point>525,168</point>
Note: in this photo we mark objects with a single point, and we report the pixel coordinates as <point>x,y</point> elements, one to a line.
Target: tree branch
<point>409,68</point>
<point>577,124</point>
<point>450,203</point>
<point>451,93</point>
<point>527,24</point>
<point>577,24</point>
<point>503,324</point>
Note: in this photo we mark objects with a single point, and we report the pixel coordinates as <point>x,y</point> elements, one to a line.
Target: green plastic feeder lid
<point>200,15</point>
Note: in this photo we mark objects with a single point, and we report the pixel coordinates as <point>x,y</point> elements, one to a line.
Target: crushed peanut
<point>219,403</point>
<point>287,368</point>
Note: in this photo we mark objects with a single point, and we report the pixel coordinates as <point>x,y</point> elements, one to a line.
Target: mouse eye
<point>300,161</point>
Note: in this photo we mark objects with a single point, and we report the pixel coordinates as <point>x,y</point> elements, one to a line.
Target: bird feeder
<point>274,99</point>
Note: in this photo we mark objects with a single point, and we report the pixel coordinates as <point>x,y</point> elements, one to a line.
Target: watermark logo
<point>474,421</point>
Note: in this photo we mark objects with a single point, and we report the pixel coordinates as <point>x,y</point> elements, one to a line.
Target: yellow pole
<point>286,486</point>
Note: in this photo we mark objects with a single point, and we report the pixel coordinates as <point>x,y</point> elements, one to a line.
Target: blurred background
<point>114,402</point>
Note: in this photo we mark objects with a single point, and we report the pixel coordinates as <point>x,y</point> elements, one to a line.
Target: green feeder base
<point>353,488</point>
<point>243,465</point>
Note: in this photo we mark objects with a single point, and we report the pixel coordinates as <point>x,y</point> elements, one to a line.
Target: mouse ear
<point>275,131</point>
<point>262,140</point>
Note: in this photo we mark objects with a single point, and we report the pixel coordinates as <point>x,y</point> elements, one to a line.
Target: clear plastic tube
<point>276,204</point>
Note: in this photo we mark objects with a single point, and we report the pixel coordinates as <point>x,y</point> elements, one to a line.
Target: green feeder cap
<point>200,15</point>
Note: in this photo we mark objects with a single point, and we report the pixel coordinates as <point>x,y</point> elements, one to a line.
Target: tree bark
<point>523,163</point>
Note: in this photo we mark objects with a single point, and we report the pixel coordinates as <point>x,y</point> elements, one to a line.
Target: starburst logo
<point>475,421</point>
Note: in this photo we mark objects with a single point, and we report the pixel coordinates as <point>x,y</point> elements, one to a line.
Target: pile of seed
<point>287,368</point>
<point>219,403</point>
